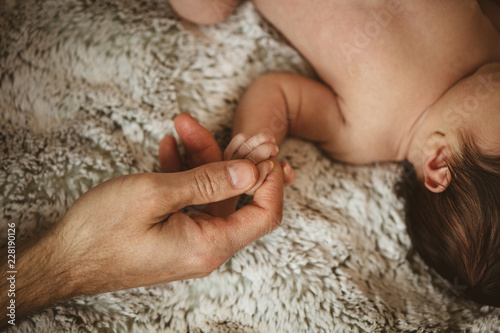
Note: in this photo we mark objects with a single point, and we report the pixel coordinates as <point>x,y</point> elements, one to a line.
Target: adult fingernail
<point>241,173</point>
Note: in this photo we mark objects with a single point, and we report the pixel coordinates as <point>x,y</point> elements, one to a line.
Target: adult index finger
<point>262,216</point>
<point>201,147</point>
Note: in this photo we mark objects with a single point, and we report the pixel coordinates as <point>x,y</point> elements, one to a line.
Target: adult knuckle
<point>206,186</point>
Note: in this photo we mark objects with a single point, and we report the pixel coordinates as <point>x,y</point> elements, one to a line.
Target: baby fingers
<point>258,147</point>
<point>235,145</point>
<point>260,153</point>
<point>289,175</point>
<point>265,169</point>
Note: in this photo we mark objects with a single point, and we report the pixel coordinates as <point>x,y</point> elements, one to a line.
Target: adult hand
<point>130,231</point>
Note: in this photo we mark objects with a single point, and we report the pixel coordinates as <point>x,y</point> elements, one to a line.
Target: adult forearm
<point>33,280</point>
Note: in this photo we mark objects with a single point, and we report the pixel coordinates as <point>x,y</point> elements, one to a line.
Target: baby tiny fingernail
<point>287,168</point>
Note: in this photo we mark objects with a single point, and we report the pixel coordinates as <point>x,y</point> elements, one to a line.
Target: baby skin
<point>258,148</point>
<point>400,80</point>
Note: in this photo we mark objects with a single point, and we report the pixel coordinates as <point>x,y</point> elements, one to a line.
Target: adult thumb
<point>209,183</point>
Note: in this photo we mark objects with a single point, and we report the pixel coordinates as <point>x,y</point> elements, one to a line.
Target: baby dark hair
<point>457,231</point>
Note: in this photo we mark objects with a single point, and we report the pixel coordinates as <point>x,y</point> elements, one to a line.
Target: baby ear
<point>437,174</point>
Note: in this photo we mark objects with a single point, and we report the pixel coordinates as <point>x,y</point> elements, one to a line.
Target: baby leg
<point>204,11</point>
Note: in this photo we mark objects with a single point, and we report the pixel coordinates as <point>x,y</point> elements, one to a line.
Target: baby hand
<point>258,149</point>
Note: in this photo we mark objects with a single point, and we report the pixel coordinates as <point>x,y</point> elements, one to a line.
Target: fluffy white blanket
<point>88,88</point>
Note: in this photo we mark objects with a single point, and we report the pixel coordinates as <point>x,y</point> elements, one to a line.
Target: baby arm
<point>204,11</point>
<point>278,104</point>
<point>290,104</point>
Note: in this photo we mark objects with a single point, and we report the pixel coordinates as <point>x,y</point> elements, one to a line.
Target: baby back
<point>386,59</point>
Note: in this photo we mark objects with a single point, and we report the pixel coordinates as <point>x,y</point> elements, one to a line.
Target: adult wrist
<point>40,278</point>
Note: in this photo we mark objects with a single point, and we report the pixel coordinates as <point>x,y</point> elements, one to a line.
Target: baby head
<point>457,231</point>
<point>453,197</point>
